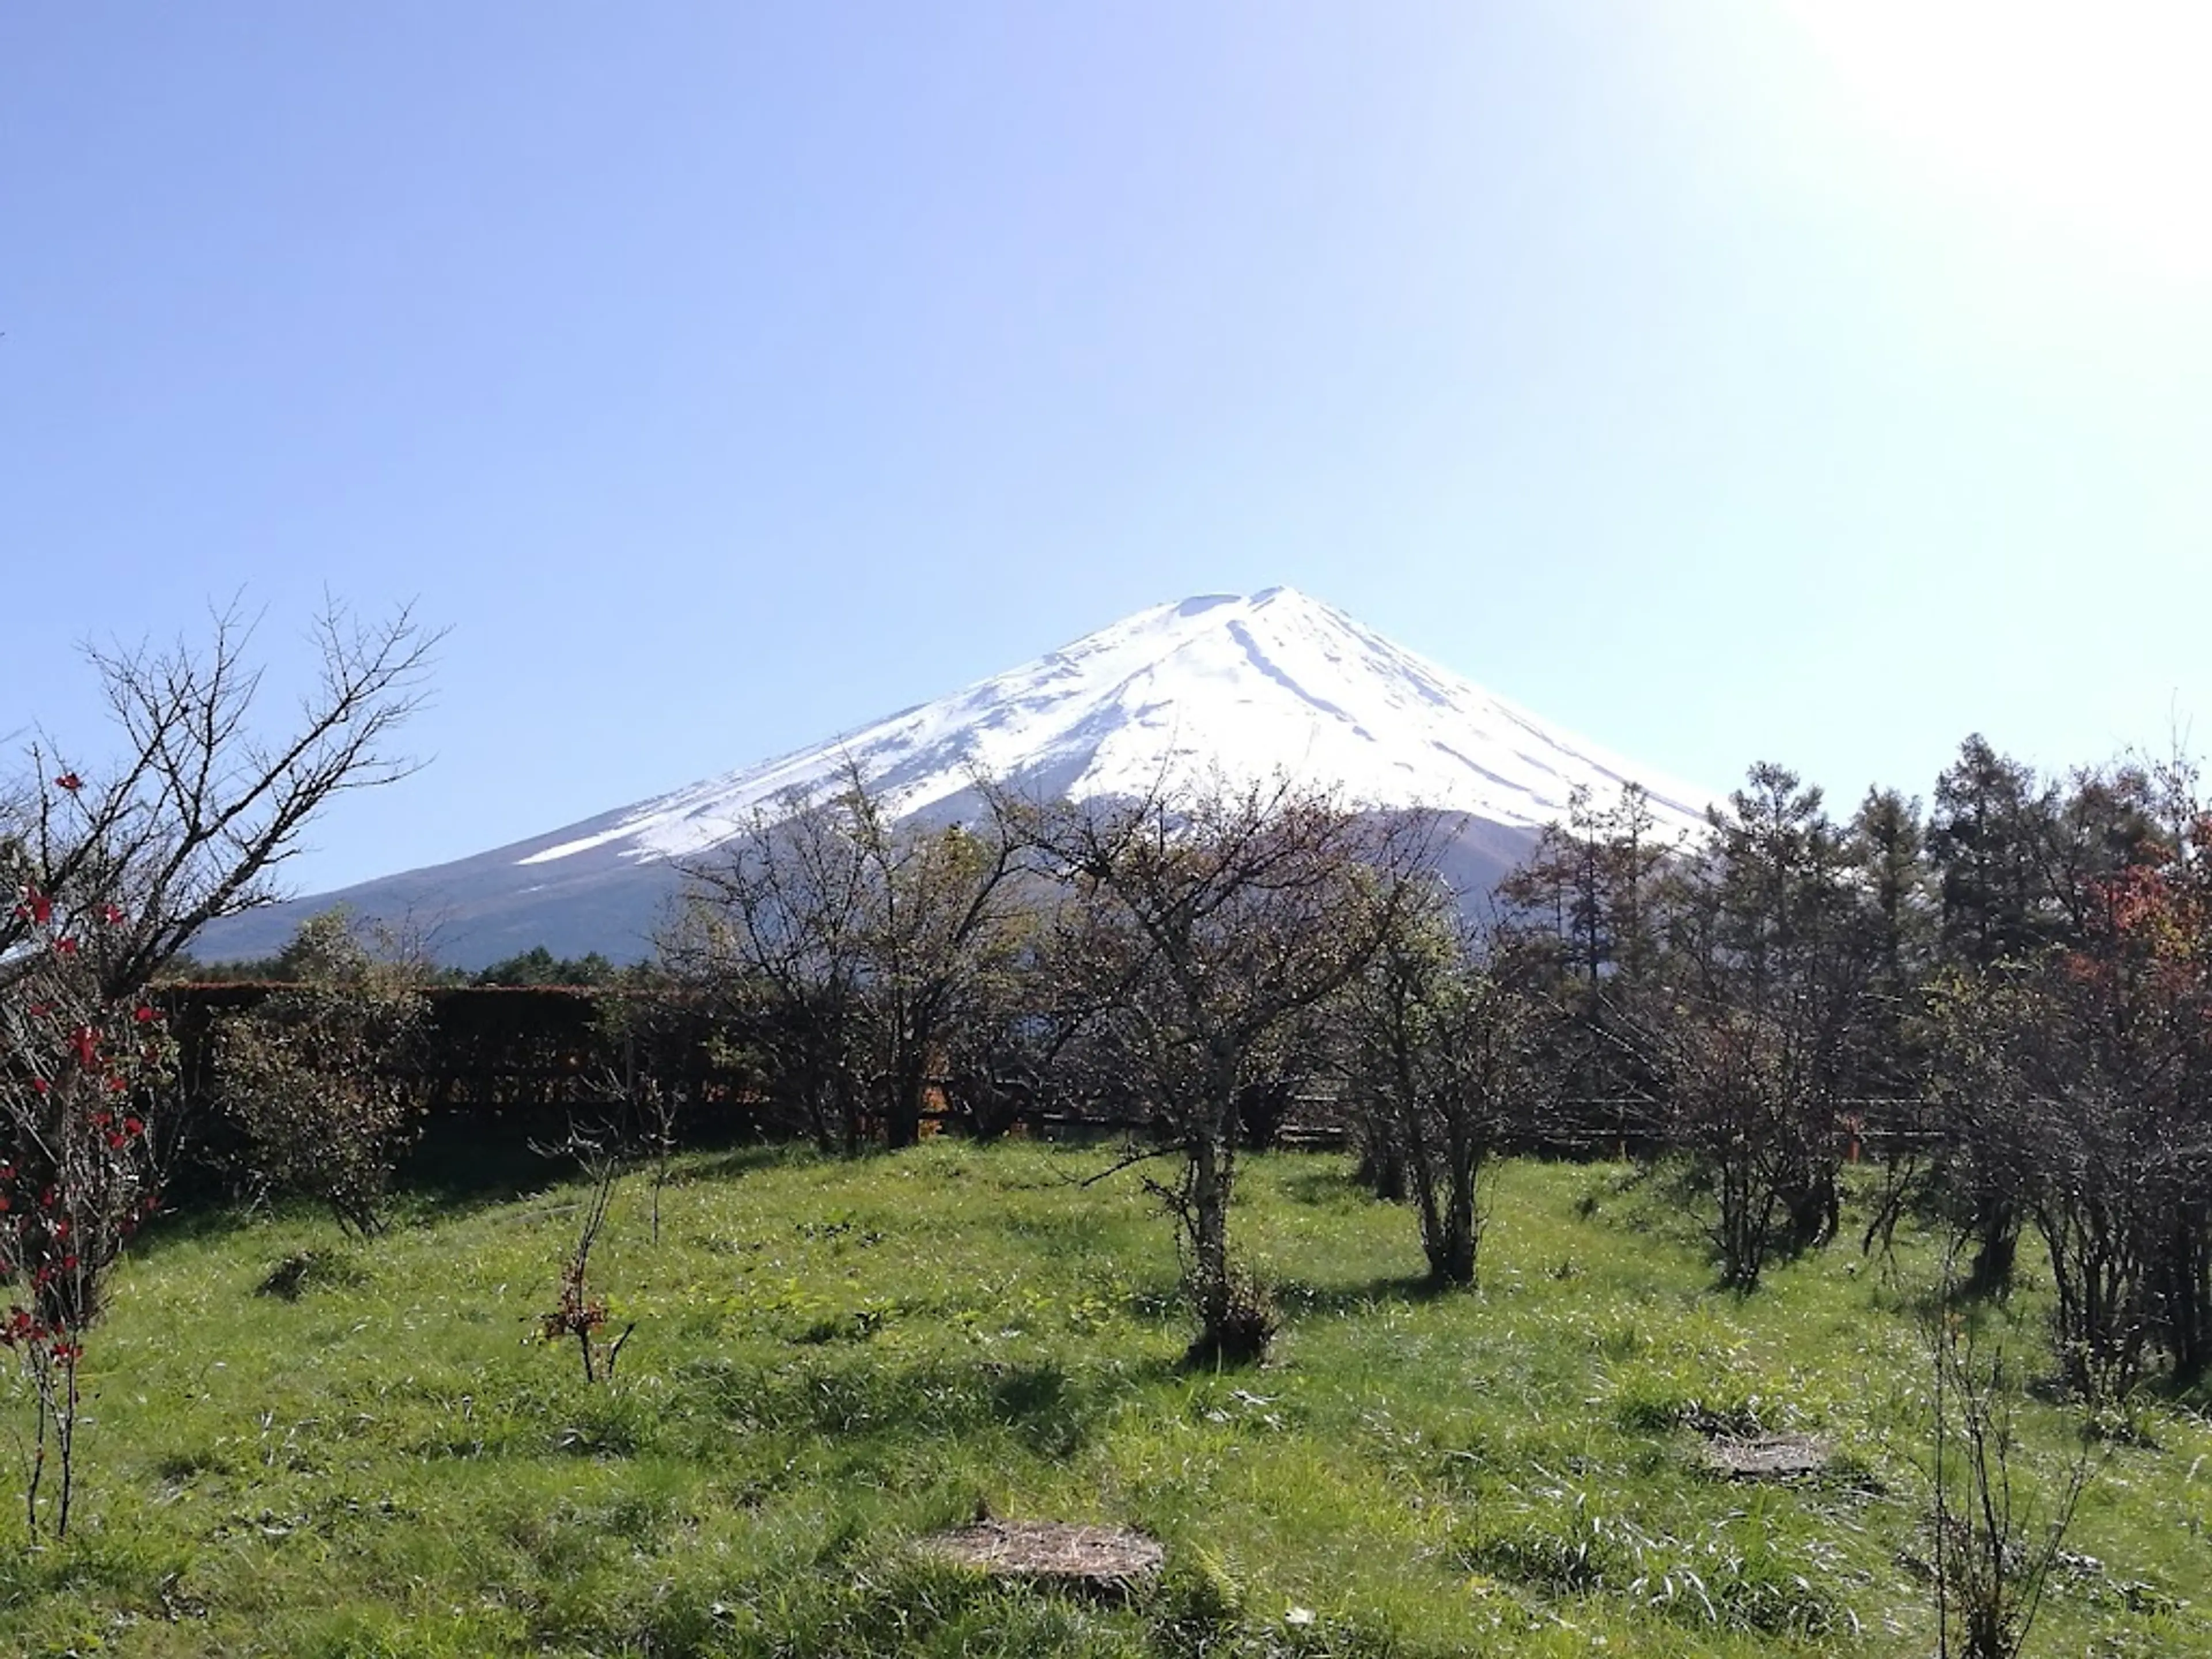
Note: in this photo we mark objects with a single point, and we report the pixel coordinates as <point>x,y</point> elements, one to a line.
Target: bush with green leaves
<point>312,1079</point>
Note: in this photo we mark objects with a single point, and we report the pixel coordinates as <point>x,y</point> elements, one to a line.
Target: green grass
<point>832,1360</point>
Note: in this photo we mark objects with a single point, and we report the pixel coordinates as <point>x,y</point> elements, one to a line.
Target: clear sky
<point>1726,381</point>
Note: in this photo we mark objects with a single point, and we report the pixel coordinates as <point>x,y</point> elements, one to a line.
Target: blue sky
<point>1726,381</point>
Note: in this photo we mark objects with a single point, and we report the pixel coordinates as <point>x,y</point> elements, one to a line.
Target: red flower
<point>66,946</point>
<point>36,906</point>
<point>142,1014</point>
<point>71,781</point>
<point>40,1085</point>
<point>86,1041</point>
<point>111,915</point>
<point>132,1125</point>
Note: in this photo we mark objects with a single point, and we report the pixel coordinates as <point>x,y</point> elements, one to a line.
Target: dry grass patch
<point>1110,1559</point>
<point>1768,1457</point>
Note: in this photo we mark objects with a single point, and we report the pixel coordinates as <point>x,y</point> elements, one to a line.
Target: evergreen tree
<point>1756,1038</point>
<point>1988,836</point>
<point>539,966</point>
<point>1898,922</point>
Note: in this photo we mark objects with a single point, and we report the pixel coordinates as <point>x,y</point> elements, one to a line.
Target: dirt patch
<point>1112,1559</point>
<point>1768,1457</point>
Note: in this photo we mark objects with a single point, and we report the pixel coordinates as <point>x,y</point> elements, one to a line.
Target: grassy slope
<point>832,1359</point>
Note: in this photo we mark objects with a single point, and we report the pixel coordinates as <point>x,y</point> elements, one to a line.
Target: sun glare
<point>2091,121</point>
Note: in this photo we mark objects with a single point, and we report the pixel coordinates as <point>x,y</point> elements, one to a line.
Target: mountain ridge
<point>1217,687</point>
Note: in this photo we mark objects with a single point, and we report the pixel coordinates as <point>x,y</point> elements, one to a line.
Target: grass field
<point>832,1360</point>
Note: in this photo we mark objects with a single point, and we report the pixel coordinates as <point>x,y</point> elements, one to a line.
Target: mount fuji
<point>1220,688</point>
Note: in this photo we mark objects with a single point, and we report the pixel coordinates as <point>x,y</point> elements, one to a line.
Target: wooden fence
<point>522,1066</point>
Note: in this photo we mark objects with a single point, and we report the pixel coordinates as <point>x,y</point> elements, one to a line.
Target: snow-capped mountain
<point>1227,687</point>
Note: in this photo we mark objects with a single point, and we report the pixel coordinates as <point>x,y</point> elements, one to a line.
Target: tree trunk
<point>1432,1203</point>
<point>1452,1260</point>
<point>1815,1209</point>
<point>1997,1231</point>
<point>1383,1168</point>
<point>903,1123</point>
<point>1452,1257</point>
<point>2189,1273</point>
<point>1209,1237</point>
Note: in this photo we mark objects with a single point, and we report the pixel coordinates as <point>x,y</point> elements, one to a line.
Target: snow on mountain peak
<point>1245,688</point>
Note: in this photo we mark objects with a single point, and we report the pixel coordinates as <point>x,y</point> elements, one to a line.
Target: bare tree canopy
<point>858,947</point>
<point>1440,1049</point>
<point>203,805</point>
<point>1202,937</point>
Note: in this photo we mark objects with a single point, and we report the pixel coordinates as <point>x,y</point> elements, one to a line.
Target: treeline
<point>2010,993</point>
<point>2003,997</point>
<point>303,960</point>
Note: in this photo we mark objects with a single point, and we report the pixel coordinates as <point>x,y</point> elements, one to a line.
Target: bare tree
<point>1440,1052</point>
<point>112,871</point>
<point>773,928</point>
<point>203,808</point>
<point>854,943</point>
<point>1201,932</point>
<point>1748,1103</point>
<point>939,925</point>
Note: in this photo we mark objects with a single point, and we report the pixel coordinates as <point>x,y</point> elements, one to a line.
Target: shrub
<point>311,1078</point>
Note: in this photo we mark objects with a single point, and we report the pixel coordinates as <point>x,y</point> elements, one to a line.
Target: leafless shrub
<point>578,1316</point>
<point>1994,1544</point>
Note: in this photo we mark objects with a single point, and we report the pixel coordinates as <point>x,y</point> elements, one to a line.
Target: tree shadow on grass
<point>447,1175</point>
<point>728,1162</point>
<point>1048,1411</point>
<point>1162,1302</point>
<point>1293,1301</point>
<point>1302,1299</point>
<point>194,1224</point>
<point>877,1409</point>
<point>1329,1186</point>
<point>459,1168</point>
<point>461,1165</point>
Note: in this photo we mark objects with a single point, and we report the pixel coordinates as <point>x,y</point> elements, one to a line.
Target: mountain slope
<point>1241,689</point>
